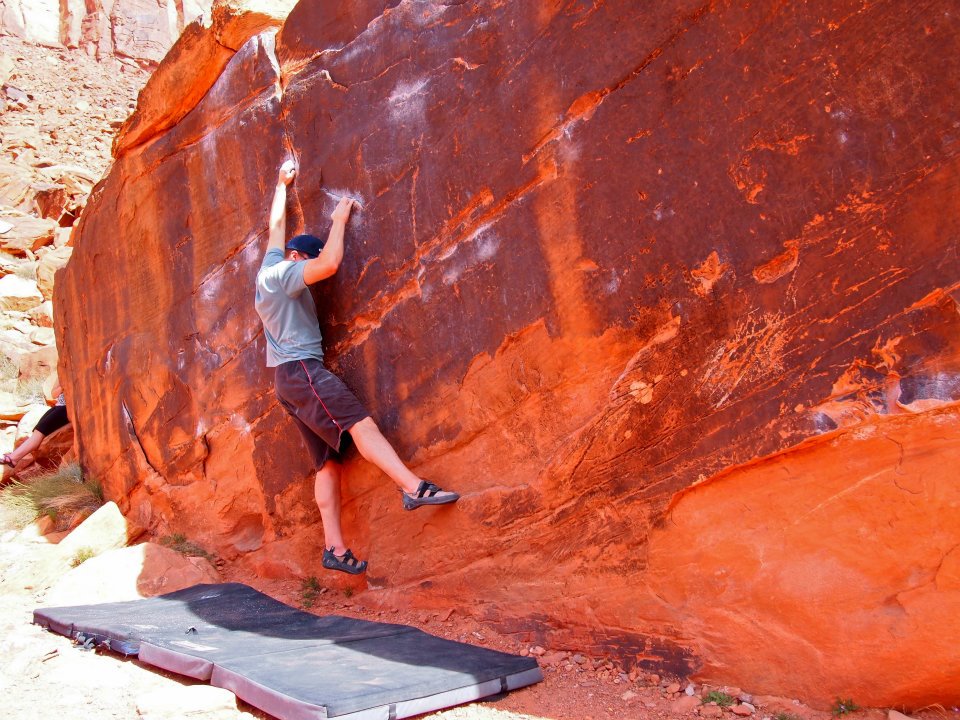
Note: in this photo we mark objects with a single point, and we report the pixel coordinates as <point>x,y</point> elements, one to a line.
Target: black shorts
<point>52,420</point>
<point>321,405</point>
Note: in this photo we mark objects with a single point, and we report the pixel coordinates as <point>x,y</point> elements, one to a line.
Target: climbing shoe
<point>347,562</point>
<point>427,494</point>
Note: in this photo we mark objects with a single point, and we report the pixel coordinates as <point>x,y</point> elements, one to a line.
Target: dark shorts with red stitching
<point>321,405</point>
<point>52,420</point>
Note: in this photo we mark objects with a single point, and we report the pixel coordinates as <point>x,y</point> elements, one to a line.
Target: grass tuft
<point>843,706</point>
<point>310,589</point>
<point>81,556</point>
<point>720,698</point>
<point>60,495</point>
<point>179,542</point>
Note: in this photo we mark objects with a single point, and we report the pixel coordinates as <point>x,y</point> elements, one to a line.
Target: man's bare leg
<point>375,448</point>
<point>326,490</point>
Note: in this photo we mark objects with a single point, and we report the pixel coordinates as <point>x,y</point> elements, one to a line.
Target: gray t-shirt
<point>287,310</point>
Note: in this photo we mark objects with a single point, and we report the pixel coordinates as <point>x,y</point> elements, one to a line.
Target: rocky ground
<point>59,112</point>
<point>44,675</point>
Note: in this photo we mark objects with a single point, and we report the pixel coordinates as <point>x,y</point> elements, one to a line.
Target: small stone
<point>653,679</point>
<point>537,650</point>
<point>672,688</point>
<point>894,715</point>
<point>743,710</point>
<point>745,697</point>
<point>690,689</point>
<point>82,106</point>
<point>579,659</point>
<point>685,704</point>
<point>554,658</point>
<point>628,695</point>
<point>711,711</point>
<point>524,652</point>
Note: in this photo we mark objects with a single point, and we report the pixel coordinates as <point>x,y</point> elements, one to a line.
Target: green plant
<point>718,697</point>
<point>785,716</point>
<point>81,556</point>
<point>310,590</point>
<point>59,495</point>
<point>842,706</point>
<point>179,542</point>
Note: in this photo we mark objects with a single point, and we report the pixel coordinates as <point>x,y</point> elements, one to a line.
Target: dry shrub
<point>62,495</point>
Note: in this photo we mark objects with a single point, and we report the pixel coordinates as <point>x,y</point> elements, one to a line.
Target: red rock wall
<point>664,291</point>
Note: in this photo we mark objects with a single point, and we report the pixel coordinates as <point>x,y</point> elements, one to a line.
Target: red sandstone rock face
<point>643,283</point>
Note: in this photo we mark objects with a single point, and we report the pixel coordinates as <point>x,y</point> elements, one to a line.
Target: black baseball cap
<point>309,245</point>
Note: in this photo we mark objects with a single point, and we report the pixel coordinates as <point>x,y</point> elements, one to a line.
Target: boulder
<point>194,63</point>
<point>7,68</point>
<point>106,529</point>
<point>63,236</point>
<point>50,262</point>
<point>42,314</point>
<point>41,336</point>
<point>17,293</point>
<point>50,199</point>
<point>11,407</point>
<point>36,21</point>
<point>129,573</point>
<point>236,21</point>
<point>27,234</point>
<point>39,570</point>
<point>142,30</point>
<point>636,279</point>
<point>30,360</point>
<point>56,448</point>
<point>15,189</point>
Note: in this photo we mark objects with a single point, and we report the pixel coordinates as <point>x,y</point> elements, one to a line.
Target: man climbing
<point>323,408</point>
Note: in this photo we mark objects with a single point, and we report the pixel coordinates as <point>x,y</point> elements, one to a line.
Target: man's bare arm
<point>278,208</point>
<point>328,261</point>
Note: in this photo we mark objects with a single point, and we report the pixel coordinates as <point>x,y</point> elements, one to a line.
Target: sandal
<point>6,460</point>
<point>427,494</point>
<point>347,562</point>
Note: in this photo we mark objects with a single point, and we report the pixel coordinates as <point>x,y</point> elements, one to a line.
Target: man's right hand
<point>288,171</point>
<point>342,211</point>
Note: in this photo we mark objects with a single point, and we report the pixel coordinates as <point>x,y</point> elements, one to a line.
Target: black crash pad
<point>290,663</point>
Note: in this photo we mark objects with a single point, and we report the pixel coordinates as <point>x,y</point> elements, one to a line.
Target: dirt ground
<point>44,675</point>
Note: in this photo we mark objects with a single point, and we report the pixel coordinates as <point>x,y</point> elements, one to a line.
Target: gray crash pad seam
<point>178,662</point>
